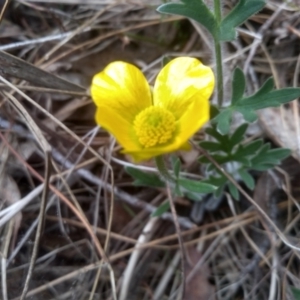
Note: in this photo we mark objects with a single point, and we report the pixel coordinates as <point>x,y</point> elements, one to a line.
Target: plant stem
<point>163,171</point>
<point>218,54</point>
<point>217,11</point>
<point>181,245</point>
<point>160,163</point>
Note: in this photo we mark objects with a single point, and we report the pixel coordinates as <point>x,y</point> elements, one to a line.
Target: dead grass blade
<point>18,68</point>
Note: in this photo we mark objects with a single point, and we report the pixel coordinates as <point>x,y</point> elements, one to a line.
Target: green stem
<point>218,54</point>
<point>217,11</point>
<point>164,172</point>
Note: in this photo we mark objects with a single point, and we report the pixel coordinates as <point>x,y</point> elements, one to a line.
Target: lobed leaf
<point>239,14</point>
<point>296,292</point>
<point>249,149</point>
<point>216,180</point>
<point>270,99</point>
<point>233,191</point>
<point>226,142</point>
<point>176,164</point>
<point>223,140</point>
<point>143,178</point>
<point>271,157</point>
<point>263,98</point>
<point>223,121</point>
<point>193,9</point>
<point>247,178</point>
<point>211,146</point>
<point>238,85</point>
<point>238,135</point>
<point>251,156</point>
<point>196,186</point>
<point>161,209</point>
<point>194,196</point>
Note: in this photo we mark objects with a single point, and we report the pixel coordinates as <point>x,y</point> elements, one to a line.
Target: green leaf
<point>196,186</point>
<point>280,154</point>
<point>263,98</point>
<point>193,9</point>
<point>214,111</point>
<point>218,193</point>
<point>223,121</point>
<point>233,191</point>
<point>245,161</point>
<point>262,167</point>
<point>239,14</point>
<point>223,140</point>
<point>194,196</point>
<point>210,146</point>
<point>176,164</point>
<point>249,149</point>
<point>220,158</point>
<point>296,293</point>
<point>161,209</point>
<point>247,178</point>
<point>238,85</point>
<point>267,158</point>
<point>273,156</point>
<point>214,133</point>
<point>238,135</point>
<point>219,181</point>
<point>249,115</point>
<point>226,142</point>
<point>144,179</point>
<point>270,99</point>
<point>216,180</point>
<point>266,87</point>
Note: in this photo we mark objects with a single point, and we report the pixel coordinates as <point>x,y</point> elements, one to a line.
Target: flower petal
<point>122,88</point>
<point>182,82</point>
<point>193,118</point>
<point>147,153</point>
<point>120,128</point>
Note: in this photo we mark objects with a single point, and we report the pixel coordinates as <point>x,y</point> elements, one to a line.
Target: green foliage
<point>218,180</point>
<point>193,9</point>
<point>247,178</point>
<point>181,186</point>
<point>231,153</point>
<point>144,179</point>
<point>164,207</point>
<point>176,164</point>
<point>296,293</point>
<point>239,14</point>
<point>237,158</point>
<point>263,98</point>
<point>233,191</point>
<point>198,11</point>
<point>196,186</point>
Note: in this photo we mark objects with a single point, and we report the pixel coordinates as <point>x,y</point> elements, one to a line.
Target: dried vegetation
<point>94,219</point>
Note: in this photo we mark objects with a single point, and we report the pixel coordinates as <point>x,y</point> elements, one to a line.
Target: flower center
<point>154,125</point>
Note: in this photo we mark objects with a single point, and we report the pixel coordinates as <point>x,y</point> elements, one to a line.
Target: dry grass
<point>72,224</point>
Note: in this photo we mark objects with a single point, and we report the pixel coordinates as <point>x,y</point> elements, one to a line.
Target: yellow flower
<point>147,122</point>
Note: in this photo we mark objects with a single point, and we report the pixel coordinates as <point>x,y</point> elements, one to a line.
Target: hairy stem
<point>218,54</point>
<point>160,163</point>
<point>163,171</point>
